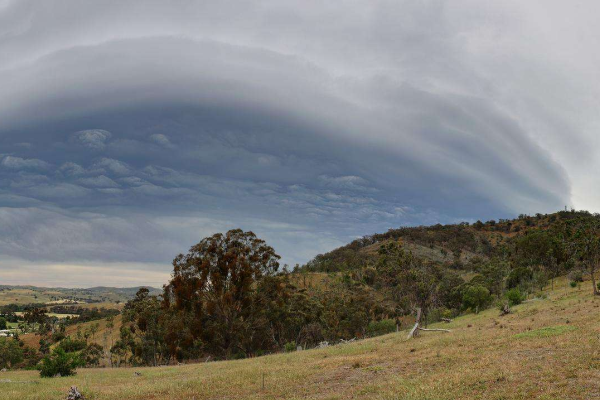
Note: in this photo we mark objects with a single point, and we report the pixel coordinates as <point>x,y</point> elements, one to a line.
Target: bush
<point>576,275</point>
<point>573,284</point>
<point>514,297</point>
<point>289,347</point>
<point>72,345</point>
<point>59,363</point>
<point>476,297</point>
<point>376,328</point>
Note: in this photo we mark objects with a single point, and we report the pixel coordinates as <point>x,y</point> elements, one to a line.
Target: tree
<point>213,286</point>
<point>3,323</point>
<point>587,249</point>
<point>145,312</point>
<point>10,352</point>
<point>476,297</point>
<point>91,355</point>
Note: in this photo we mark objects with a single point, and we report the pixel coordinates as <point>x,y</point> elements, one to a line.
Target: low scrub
<point>376,328</point>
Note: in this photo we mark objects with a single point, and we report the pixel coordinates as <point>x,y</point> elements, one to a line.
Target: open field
<point>547,349</point>
<point>59,316</point>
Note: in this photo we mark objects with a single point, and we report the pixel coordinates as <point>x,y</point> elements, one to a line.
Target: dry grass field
<point>546,349</point>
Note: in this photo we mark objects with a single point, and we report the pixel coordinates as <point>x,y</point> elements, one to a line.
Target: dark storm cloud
<point>126,140</point>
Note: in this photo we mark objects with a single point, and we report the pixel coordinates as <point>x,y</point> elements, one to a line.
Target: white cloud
<point>115,166</point>
<point>101,181</point>
<point>162,140</point>
<point>94,139</point>
<point>17,163</point>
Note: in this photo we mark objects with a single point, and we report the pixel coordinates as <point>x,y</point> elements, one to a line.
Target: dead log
<point>414,332</point>
<point>446,320</point>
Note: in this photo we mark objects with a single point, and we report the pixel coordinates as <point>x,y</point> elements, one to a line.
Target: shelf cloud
<point>129,131</point>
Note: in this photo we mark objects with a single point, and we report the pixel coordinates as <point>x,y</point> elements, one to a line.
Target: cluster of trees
<point>57,355</point>
<point>228,299</point>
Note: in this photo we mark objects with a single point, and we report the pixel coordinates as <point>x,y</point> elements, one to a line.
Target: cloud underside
<point>129,149</point>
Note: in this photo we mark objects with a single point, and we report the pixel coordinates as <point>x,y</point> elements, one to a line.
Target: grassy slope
<point>547,349</point>
<point>105,337</point>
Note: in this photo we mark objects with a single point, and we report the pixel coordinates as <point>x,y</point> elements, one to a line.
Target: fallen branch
<point>434,330</point>
<point>446,320</point>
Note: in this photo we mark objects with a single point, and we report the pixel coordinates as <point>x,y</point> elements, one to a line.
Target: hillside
<point>546,349</point>
<point>460,246</point>
<point>104,334</point>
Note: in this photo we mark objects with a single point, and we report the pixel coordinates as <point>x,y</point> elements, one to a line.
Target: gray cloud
<point>156,125</point>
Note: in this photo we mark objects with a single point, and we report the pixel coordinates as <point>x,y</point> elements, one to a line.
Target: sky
<point>131,130</point>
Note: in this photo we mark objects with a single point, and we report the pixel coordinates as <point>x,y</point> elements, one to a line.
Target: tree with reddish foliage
<point>212,290</point>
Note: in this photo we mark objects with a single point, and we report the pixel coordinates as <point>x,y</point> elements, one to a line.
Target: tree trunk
<point>415,330</point>
<point>592,274</point>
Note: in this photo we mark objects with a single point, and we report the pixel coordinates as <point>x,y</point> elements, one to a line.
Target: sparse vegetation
<point>487,361</point>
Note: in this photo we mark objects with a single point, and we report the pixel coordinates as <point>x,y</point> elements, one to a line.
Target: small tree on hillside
<point>10,352</point>
<point>587,249</point>
<point>476,297</point>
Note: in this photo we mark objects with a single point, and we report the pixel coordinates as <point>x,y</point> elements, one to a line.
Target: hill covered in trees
<point>464,246</point>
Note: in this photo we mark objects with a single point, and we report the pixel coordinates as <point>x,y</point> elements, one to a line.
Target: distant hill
<point>97,296</point>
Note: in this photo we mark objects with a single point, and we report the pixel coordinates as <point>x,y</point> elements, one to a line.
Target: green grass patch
<point>546,332</point>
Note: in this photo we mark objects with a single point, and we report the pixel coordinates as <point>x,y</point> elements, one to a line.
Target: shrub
<point>289,347</point>
<point>59,363</point>
<point>376,328</point>
<point>573,284</point>
<point>514,297</point>
<point>71,345</point>
<point>476,297</point>
<point>576,275</point>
